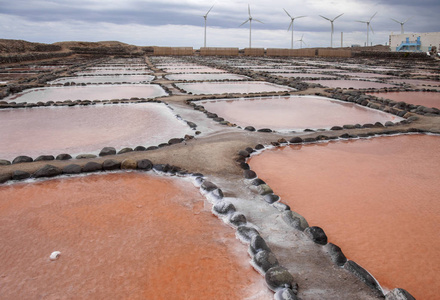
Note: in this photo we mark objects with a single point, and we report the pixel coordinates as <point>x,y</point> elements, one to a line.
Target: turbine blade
<point>244,22</point>
<point>373,16</point>
<point>407,20</point>
<point>362,21</point>
<point>249,11</point>
<point>209,10</point>
<point>290,25</point>
<point>325,18</point>
<point>372,29</point>
<point>395,20</point>
<point>337,16</point>
<point>287,13</point>
<point>300,17</point>
<point>258,21</point>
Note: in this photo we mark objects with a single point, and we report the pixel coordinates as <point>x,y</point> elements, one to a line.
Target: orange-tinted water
<point>78,129</point>
<point>295,112</point>
<point>377,199</point>
<point>121,236</point>
<point>355,84</point>
<point>428,99</point>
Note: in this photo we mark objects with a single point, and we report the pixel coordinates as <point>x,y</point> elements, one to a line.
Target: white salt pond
<point>294,112</point>
<point>304,75</point>
<point>203,77</point>
<point>178,70</point>
<point>231,87</point>
<point>105,79</point>
<point>79,129</point>
<point>114,71</point>
<point>102,92</point>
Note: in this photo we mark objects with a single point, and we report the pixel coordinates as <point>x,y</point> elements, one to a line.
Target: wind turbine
<point>401,24</point>
<point>291,25</point>
<point>206,16</point>
<point>250,25</point>
<point>331,21</point>
<point>301,41</point>
<point>368,25</point>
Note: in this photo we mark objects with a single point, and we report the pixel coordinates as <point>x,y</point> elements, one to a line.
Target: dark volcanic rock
<point>5,177</point>
<point>45,157</point>
<point>63,156</point>
<point>175,141</point>
<point>125,150</point>
<point>296,140</point>
<point>265,130</point>
<point>237,219</point>
<point>265,260</point>
<point>140,148</point>
<point>92,167</point>
<point>259,147</point>
<point>223,208</point>
<point>107,151</point>
<point>257,244</point>
<point>243,153</point>
<point>336,254</point>
<point>364,276</point>
<point>399,294</point>
<point>72,169</point>
<point>144,164</point>
<point>246,233</point>
<point>48,171</point>
<point>20,175</point>
<point>316,234</point>
<point>111,164</point>
<point>278,277</point>
<point>249,128</point>
<point>295,220</point>
<point>22,159</point>
<point>249,174</point>
<point>271,198</point>
<point>285,294</point>
<point>258,181</point>
<point>4,162</point>
<point>208,186</point>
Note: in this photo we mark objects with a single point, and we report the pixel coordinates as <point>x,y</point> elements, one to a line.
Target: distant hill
<point>20,46</point>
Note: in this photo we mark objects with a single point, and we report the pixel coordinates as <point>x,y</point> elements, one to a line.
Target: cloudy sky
<point>180,22</point>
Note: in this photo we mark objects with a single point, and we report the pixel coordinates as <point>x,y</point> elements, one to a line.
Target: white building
<point>415,42</point>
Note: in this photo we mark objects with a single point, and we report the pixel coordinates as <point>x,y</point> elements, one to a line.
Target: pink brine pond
<point>102,92</point>
<point>428,99</point>
<point>295,112</point>
<point>75,130</point>
<point>231,87</point>
<point>105,79</point>
<point>375,198</point>
<point>355,84</point>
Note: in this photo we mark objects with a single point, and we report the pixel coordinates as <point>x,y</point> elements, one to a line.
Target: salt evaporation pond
<point>193,70</point>
<point>114,71</point>
<point>355,84</point>
<point>231,87</point>
<point>417,82</point>
<point>79,129</point>
<point>294,112</point>
<point>121,236</point>
<point>102,92</point>
<point>203,77</point>
<point>105,79</point>
<point>303,75</point>
<point>428,99</point>
<point>376,198</point>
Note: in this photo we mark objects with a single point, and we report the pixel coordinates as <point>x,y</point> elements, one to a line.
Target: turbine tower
<point>331,21</point>
<point>205,17</point>
<point>401,24</point>
<point>291,25</point>
<point>301,41</point>
<point>250,25</point>
<point>368,26</point>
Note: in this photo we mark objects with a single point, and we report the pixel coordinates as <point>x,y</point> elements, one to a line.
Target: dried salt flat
<point>204,77</point>
<point>105,79</point>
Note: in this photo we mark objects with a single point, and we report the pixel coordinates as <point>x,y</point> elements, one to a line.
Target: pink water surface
<point>202,77</point>
<point>102,92</point>
<point>232,87</point>
<point>121,236</point>
<point>104,79</point>
<point>428,99</point>
<point>295,112</point>
<point>377,199</point>
<point>355,84</point>
<point>75,130</point>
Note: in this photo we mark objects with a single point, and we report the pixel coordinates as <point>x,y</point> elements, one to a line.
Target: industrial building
<point>415,42</point>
